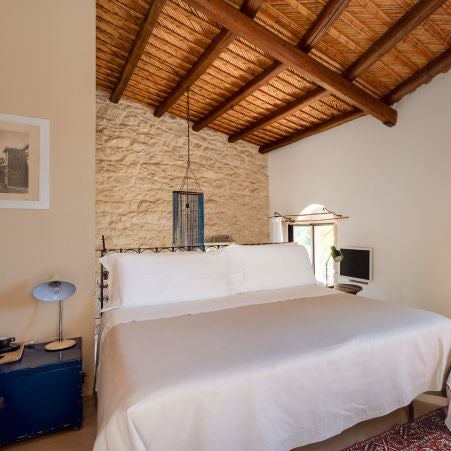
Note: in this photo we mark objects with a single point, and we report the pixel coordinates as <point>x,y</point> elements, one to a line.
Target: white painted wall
<point>395,185</point>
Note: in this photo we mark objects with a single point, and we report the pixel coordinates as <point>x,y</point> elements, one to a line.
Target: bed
<point>272,363</point>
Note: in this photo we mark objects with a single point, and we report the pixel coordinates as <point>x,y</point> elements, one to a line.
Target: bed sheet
<point>116,315</point>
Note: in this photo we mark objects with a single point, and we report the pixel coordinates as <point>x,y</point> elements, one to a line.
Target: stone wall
<point>141,160</point>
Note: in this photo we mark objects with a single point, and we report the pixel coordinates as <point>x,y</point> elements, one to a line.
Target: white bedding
<point>263,371</point>
<point>117,316</point>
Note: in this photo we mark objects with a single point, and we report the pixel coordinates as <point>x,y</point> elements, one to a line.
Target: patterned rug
<point>426,433</point>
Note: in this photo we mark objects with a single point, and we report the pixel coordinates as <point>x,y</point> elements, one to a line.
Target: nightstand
<point>41,393</point>
<point>348,288</point>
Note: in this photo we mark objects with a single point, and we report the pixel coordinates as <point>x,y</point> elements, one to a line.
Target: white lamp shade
<point>276,230</point>
<point>54,290</point>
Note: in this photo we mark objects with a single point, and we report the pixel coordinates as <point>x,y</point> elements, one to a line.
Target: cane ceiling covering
<point>183,33</point>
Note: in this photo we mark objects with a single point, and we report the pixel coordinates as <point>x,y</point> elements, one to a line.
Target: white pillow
<point>151,279</point>
<point>272,266</point>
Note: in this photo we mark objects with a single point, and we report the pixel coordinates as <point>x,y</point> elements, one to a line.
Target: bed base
<point>411,412</point>
<point>411,409</point>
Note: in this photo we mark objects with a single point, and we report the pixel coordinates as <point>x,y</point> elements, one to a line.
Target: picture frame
<point>24,162</point>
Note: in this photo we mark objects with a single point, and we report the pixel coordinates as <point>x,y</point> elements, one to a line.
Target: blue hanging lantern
<point>188,218</point>
<point>188,206</point>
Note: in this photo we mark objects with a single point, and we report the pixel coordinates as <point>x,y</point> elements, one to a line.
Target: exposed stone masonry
<point>141,159</point>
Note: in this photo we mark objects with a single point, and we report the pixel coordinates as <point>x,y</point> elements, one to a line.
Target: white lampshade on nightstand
<point>52,291</point>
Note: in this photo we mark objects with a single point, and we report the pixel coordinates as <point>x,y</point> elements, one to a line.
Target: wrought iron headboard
<point>141,250</point>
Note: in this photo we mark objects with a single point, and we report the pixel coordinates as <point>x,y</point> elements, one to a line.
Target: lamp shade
<point>336,254</point>
<point>54,290</point>
<point>276,230</point>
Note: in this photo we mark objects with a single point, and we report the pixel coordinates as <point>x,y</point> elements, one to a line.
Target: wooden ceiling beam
<point>235,21</point>
<point>404,26</point>
<point>256,83</point>
<point>306,99</point>
<point>316,31</point>
<point>142,38</point>
<point>310,131</point>
<point>219,44</point>
<point>439,65</point>
<point>328,15</point>
<point>409,21</point>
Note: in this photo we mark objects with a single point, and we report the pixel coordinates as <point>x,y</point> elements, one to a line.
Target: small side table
<point>348,288</point>
<point>41,393</point>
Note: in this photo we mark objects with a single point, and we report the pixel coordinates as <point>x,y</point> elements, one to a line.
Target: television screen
<point>356,263</point>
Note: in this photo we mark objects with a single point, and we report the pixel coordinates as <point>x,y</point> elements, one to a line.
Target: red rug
<point>426,433</point>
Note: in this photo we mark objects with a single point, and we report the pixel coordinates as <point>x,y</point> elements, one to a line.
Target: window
<point>317,239</point>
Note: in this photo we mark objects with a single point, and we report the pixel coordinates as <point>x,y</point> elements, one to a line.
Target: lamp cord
<point>185,180</point>
<point>188,163</point>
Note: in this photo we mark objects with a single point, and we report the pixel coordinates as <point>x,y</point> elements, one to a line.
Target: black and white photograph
<point>24,162</point>
<point>14,150</point>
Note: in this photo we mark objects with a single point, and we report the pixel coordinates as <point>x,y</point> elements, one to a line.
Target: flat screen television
<point>357,264</point>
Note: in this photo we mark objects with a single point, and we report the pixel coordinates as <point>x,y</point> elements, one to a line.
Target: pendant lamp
<point>188,204</point>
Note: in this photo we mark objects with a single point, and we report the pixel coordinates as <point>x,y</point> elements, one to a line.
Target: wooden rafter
<point>437,66</point>
<point>256,83</point>
<point>235,21</point>
<point>409,21</point>
<point>290,108</point>
<point>316,31</point>
<point>223,39</point>
<point>305,133</point>
<point>144,33</point>
<point>328,15</point>
<point>404,26</point>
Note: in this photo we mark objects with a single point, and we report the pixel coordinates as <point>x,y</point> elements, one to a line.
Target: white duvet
<point>263,371</point>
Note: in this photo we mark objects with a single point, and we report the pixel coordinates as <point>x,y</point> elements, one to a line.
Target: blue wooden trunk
<point>41,393</point>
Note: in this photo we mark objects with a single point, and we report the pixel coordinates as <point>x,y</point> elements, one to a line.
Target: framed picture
<point>24,162</point>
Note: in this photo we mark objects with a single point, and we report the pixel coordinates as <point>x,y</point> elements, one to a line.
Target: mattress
<point>263,371</point>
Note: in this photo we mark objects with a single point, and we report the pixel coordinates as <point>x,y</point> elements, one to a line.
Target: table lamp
<point>336,255</point>
<point>51,291</point>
